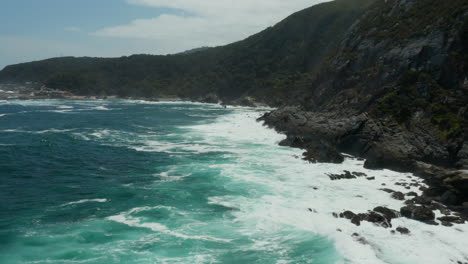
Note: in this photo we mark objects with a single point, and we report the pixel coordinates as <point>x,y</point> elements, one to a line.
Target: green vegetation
<point>409,20</point>
<point>448,123</point>
<point>416,91</point>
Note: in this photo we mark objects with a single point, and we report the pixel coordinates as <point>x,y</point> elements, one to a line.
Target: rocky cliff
<point>395,92</point>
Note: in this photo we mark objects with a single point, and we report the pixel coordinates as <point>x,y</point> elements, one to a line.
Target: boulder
<point>388,213</point>
<point>398,196</point>
<point>403,230</point>
<point>419,213</point>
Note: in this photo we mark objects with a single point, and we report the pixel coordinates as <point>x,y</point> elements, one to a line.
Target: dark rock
<point>345,175</point>
<point>387,190</point>
<point>348,215</point>
<point>356,220</point>
<point>403,230</point>
<point>376,218</point>
<point>370,178</point>
<point>381,216</point>
<point>419,213</point>
<point>437,206</point>
<point>388,213</point>
<point>452,219</point>
<point>359,174</point>
<point>412,194</point>
<point>432,222</point>
<point>449,197</point>
<point>423,200</point>
<point>398,196</point>
<point>444,223</point>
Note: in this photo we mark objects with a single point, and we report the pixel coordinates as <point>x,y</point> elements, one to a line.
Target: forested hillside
<point>264,65</point>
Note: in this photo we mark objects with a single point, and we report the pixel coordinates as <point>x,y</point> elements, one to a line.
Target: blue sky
<point>39,29</point>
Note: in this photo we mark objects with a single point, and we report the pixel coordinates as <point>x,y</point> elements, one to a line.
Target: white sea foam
<point>196,259</point>
<point>53,130</point>
<point>82,136</point>
<point>282,189</point>
<point>65,107</point>
<point>169,176</point>
<point>86,201</point>
<point>132,221</point>
<point>183,147</point>
<point>101,108</point>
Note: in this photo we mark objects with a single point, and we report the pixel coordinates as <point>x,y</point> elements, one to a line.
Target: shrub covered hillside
<point>263,64</point>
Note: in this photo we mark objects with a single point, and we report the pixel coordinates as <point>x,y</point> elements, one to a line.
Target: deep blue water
<point>135,182</point>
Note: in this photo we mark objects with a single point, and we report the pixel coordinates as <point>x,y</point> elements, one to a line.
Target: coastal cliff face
<point>395,92</point>
<point>405,89</point>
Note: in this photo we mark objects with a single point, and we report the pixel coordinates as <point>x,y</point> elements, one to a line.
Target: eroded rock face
<point>385,144</point>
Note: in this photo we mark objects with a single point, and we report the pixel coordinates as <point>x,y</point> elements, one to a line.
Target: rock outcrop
<point>395,93</point>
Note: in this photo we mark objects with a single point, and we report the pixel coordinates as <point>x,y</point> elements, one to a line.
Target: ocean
<point>121,181</point>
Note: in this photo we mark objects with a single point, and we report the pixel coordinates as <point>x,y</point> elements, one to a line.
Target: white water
<point>292,182</point>
<point>87,201</point>
<point>283,187</point>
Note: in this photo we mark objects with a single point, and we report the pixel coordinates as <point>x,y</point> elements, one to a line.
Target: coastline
<point>317,139</point>
<point>316,198</point>
<point>324,136</point>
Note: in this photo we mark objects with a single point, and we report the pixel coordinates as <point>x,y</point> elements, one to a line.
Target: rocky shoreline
<point>37,91</point>
<point>325,136</point>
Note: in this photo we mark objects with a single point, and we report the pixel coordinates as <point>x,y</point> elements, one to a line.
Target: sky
<point>39,29</point>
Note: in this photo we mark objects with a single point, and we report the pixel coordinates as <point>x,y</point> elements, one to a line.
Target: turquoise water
<point>138,182</point>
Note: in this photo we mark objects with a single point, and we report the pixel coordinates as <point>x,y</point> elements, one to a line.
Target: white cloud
<point>210,23</point>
